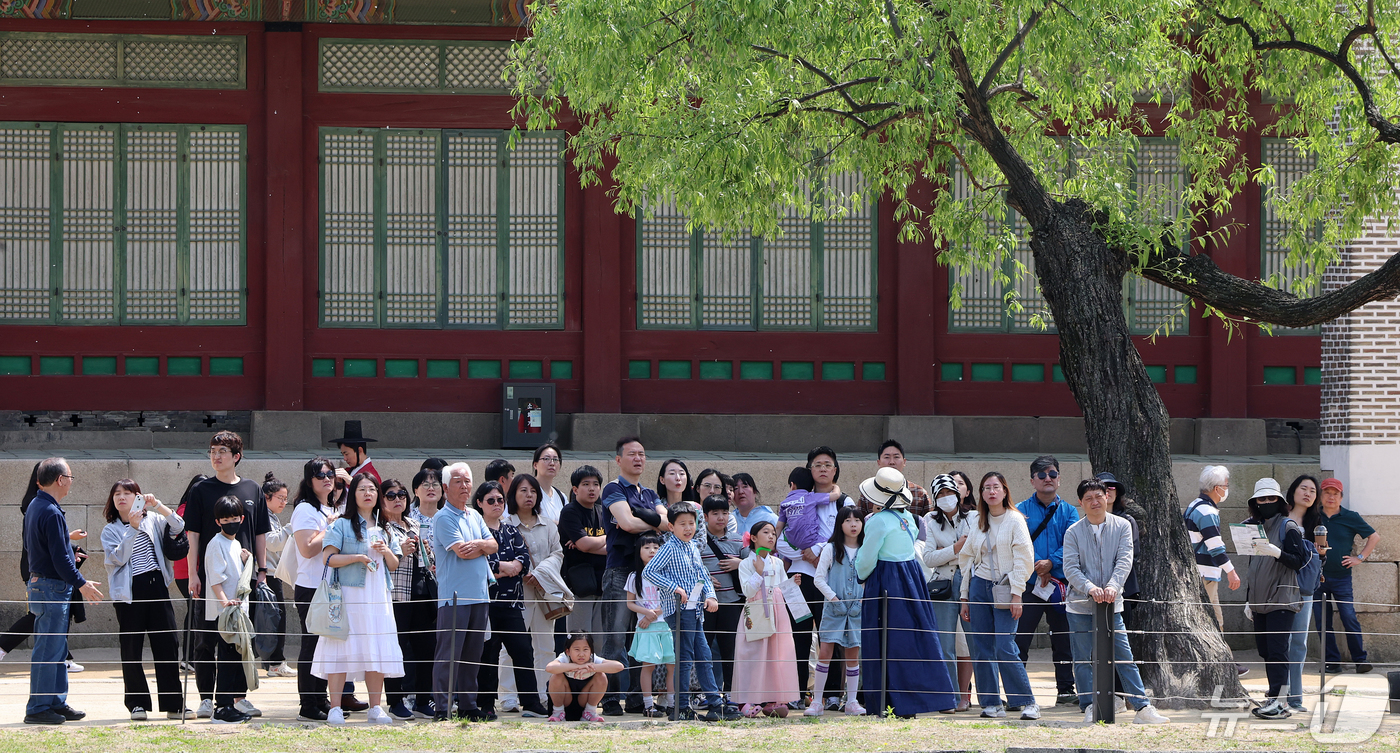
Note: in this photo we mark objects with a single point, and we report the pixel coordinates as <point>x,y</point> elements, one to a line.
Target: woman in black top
<point>507,610</point>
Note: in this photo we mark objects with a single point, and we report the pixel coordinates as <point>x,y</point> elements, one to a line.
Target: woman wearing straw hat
<point>914,678</point>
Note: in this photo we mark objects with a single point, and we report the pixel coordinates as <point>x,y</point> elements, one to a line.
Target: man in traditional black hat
<point>354,448</point>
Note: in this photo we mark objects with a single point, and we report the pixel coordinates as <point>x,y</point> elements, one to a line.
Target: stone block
<point>698,431</point>
<point>286,430</point>
<point>134,438</point>
<point>599,432</point>
<point>995,434</point>
<point>1231,436</point>
<point>931,434</point>
<point>1183,436</point>
<point>1293,436</point>
<point>798,434</point>
<point>476,431</point>
<point>1388,526</point>
<point>1061,434</point>
<point>1374,587</point>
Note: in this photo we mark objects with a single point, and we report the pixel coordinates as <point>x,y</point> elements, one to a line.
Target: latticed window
<point>122,224</point>
<point>813,275</point>
<point>441,228</point>
<point>987,304</point>
<point>1289,166</point>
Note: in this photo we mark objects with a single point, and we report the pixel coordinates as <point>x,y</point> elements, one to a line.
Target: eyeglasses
<point>1046,474</point>
<point>324,475</point>
<point>549,460</point>
<point>712,486</point>
<point>823,466</point>
<point>218,452</point>
<point>430,485</point>
<point>396,495</point>
<point>70,478</point>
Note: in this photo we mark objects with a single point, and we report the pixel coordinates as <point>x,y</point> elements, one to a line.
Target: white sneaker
<point>1119,705</point>
<point>510,705</point>
<point>335,716</point>
<point>74,666</point>
<point>138,714</point>
<point>206,709</point>
<point>994,712</point>
<point>377,716</point>
<point>281,670</point>
<point>247,708</point>
<point>1030,711</point>
<point>2,653</point>
<point>816,709</point>
<point>1089,714</point>
<point>854,709</point>
<point>1149,715</point>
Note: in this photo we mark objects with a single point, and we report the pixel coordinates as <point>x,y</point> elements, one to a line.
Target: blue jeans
<point>992,640</point>
<point>689,625</point>
<point>616,621</point>
<point>48,675</point>
<point>1298,652</point>
<point>1081,643</point>
<point>1340,591</point>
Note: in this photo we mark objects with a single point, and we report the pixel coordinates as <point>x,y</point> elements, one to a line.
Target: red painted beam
<point>285,278</point>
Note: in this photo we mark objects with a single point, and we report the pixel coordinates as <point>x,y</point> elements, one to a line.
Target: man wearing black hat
<point>354,448</point>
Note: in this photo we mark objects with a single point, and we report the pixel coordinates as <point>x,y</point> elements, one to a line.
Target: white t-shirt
<point>223,566</point>
<point>308,517</point>
<point>579,674</point>
<point>987,569</point>
<point>649,598</point>
<point>552,504</point>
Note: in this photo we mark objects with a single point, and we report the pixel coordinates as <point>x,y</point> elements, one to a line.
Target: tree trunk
<point>1183,656</point>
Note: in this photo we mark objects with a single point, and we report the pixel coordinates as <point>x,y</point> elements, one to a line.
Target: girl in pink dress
<point>765,672</point>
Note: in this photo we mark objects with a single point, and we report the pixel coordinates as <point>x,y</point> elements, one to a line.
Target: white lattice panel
<point>89,245</point>
<point>1033,305</point>
<point>25,205</point>
<point>1289,166</point>
<point>848,301</point>
<point>379,65</point>
<point>726,281</point>
<point>35,56</point>
<point>410,231</point>
<point>663,267</point>
<point>535,233</point>
<point>983,306</point>
<point>476,67</point>
<point>215,225</point>
<point>152,225</point>
<point>787,274</point>
<point>1160,183</point>
<point>218,61</point>
<point>347,188</point>
<point>472,250</point>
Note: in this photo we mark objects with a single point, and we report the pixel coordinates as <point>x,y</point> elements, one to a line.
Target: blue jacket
<point>1050,544</point>
<point>342,536</point>
<point>46,539</point>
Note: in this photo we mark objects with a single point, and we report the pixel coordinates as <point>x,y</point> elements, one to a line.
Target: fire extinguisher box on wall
<point>527,415</point>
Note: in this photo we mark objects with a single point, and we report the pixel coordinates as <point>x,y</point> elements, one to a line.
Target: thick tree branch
<point>1010,49</point>
<point>1388,131</point>
<point>1198,277</point>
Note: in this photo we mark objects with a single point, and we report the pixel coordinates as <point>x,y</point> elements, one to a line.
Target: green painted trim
<point>56,223</point>
<point>872,371</point>
<point>1158,374</point>
<point>56,365</point>
<point>359,368</point>
<point>988,372</point>
<point>122,80</point>
<point>502,230</point>
<point>951,372</point>
<point>141,365</point>
<point>380,182</point>
<point>799,370</point>
<point>442,45</point>
<point>639,369</point>
<point>225,366</point>
<point>322,367</point>
<point>1058,374</point>
<point>716,369</point>
<point>526,370</point>
<point>183,365</point>
<point>16,365</point>
<point>838,371</point>
<point>1280,375</point>
<point>401,368</point>
<point>99,365</point>
<point>561,369</point>
<point>1184,375</point>
<point>444,369</point>
<point>673,370</point>
<point>1312,375</point>
<point>483,369</point>
<point>1027,372</point>
<point>755,369</point>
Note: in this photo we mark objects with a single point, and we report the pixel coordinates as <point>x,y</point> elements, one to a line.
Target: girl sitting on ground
<point>577,680</point>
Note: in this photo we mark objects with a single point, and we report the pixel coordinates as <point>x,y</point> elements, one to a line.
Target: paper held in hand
<point>796,603</point>
<point>1245,536</point>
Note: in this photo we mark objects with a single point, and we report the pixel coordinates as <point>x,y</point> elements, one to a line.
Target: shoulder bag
<point>174,546</point>
<point>326,617</point>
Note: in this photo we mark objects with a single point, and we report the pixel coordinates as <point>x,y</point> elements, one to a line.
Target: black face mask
<point>1267,509</point>
<point>231,529</point>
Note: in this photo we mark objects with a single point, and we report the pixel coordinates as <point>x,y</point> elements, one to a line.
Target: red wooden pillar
<point>1238,255</point>
<point>602,294</point>
<point>915,300</point>
<point>285,322</point>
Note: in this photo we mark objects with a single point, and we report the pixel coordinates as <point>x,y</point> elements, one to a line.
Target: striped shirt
<point>1203,526</point>
<point>143,554</point>
<point>403,576</point>
<point>677,565</point>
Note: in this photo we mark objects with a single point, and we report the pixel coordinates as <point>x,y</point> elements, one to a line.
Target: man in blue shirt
<point>1048,517</point>
<point>461,544</point>
<point>53,576</point>
<point>629,510</point>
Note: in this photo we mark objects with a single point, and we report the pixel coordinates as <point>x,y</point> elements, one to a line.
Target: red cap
<point>1331,483</point>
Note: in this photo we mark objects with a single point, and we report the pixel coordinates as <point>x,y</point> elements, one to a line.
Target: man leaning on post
<point>53,576</point>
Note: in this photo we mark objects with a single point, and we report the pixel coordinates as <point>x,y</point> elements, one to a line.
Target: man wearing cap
<point>1048,517</point>
<point>1343,526</point>
<point>354,449</point>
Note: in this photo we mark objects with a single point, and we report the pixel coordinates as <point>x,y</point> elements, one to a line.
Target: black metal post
<point>1103,662</point>
<point>456,657</point>
<point>884,650</point>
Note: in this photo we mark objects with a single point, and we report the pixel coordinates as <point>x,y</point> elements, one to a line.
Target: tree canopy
<point>741,111</point>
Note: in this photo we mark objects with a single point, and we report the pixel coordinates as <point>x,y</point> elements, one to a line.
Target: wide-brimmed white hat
<point>1266,487</point>
<point>887,488</point>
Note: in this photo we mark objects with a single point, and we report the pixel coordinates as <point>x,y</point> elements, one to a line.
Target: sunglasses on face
<point>324,475</point>
<point>396,495</point>
<point>493,501</point>
<point>1047,474</point>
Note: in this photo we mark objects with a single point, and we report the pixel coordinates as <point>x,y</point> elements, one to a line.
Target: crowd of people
<point>691,599</point>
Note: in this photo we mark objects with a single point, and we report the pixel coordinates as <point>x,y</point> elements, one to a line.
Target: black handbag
<point>583,581</point>
<point>424,586</point>
<point>940,589</point>
<point>175,547</point>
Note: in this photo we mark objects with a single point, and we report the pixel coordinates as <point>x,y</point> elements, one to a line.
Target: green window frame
<point>986,301</point>
<point>1274,269</point>
<point>441,229</point>
<point>111,224</point>
<point>815,276</point>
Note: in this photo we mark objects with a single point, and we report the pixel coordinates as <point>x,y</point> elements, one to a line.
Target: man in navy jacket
<point>1048,517</point>
<point>53,576</point>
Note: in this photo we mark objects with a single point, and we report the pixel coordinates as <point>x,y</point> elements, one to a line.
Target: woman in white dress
<point>364,558</point>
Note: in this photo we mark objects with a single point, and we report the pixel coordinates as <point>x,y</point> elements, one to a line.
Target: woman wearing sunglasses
<point>318,505</point>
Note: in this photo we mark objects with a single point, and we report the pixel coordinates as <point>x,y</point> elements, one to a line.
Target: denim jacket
<point>342,536</point>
